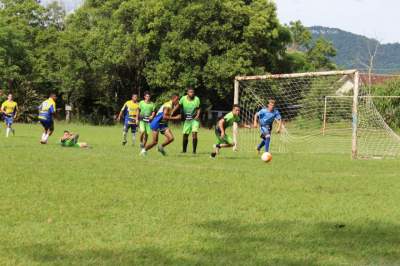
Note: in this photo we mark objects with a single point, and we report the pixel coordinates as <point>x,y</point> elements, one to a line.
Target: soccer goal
<point>323,112</point>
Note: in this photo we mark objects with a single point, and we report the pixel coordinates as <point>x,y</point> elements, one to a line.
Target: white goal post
<point>309,102</point>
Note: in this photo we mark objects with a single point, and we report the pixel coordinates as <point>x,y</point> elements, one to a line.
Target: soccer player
<point>191,111</point>
<point>265,118</point>
<point>130,111</point>
<point>146,114</point>
<point>47,111</point>
<point>70,139</point>
<point>160,125</point>
<point>223,140</point>
<point>9,109</point>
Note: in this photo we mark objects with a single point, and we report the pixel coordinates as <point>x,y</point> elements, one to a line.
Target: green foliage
<point>97,56</point>
<point>389,108</point>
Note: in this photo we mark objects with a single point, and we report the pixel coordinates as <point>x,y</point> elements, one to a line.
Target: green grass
<point>108,206</point>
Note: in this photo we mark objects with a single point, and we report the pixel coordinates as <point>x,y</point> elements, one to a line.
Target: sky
<point>377,19</point>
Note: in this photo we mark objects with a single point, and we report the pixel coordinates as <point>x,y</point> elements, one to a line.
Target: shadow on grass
<point>297,243</point>
<point>232,242</point>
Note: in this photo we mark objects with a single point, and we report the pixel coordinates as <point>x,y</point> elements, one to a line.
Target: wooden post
<point>235,101</point>
<point>355,117</point>
<point>324,125</point>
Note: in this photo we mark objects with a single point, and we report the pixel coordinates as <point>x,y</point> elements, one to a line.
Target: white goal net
<point>322,112</point>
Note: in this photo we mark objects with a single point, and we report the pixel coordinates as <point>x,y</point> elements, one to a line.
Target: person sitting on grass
<point>70,139</point>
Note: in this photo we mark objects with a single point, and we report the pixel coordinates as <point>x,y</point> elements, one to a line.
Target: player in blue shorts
<point>46,112</point>
<point>9,109</point>
<point>159,124</point>
<point>130,111</point>
<point>265,118</point>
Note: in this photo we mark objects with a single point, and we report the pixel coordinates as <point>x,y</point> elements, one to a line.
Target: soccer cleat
<point>143,152</point>
<point>141,146</point>
<point>43,142</point>
<point>161,150</point>
<point>213,155</point>
<point>124,142</point>
<point>258,151</point>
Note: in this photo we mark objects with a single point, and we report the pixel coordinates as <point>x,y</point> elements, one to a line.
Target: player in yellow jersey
<point>130,111</point>
<point>9,109</point>
<point>47,111</point>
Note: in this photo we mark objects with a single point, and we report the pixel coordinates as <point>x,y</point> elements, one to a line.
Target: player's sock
<point>185,142</point>
<point>7,132</point>
<point>133,138</point>
<point>124,141</point>
<point>266,145</point>
<point>43,137</point>
<point>261,145</point>
<point>194,145</point>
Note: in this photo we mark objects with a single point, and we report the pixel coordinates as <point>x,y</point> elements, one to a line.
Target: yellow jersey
<point>130,110</point>
<point>9,107</point>
<point>47,109</point>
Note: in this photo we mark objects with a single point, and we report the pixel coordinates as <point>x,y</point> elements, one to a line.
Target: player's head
<point>271,104</point>
<point>236,109</point>
<point>53,96</point>
<point>147,96</point>
<point>174,98</point>
<point>66,134</point>
<point>134,97</point>
<point>10,97</point>
<point>190,92</point>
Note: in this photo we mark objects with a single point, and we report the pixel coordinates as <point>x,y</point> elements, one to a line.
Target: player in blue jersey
<point>159,124</point>
<point>46,112</point>
<point>264,119</point>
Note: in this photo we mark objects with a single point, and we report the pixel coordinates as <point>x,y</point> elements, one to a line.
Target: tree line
<point>97,56</point>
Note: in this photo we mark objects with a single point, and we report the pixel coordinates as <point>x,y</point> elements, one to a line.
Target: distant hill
<point>351,48</point>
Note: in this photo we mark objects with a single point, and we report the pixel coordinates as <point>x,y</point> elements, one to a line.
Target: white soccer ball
<point>266,157</point>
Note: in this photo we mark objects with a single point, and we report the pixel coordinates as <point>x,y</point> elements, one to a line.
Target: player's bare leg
<point>169,138</point>
<point>153,142</point>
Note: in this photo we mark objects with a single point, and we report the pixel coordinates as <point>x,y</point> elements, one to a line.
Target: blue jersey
<point>267,118</point>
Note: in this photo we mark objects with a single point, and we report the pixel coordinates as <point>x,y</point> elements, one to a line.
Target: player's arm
<point>152,115</point>
<point>168,114</point>
<point>176,107</point>
<point>221,125</point>
<point>255,121</point>
<point>120,113</point>
<point>3,108</point>
<point>16,112</point>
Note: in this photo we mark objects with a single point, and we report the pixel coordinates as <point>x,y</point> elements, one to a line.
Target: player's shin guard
<point>133,138</point>
<point>266,145</point>
<point>185,141</point>
<point>194,145</point>
<point>261,145</point>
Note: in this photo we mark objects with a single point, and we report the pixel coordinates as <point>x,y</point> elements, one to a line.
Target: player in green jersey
<point>190,105</point>
<point>224,140</point>
<point>146,114</point>
<point>70,139</point>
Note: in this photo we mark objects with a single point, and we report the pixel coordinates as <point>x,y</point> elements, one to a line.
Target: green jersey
<point>189,106</point>
<point>229,119</point>
<point>146,109</point>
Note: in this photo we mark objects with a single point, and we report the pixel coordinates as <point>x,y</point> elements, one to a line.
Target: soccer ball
<point>266,157</point>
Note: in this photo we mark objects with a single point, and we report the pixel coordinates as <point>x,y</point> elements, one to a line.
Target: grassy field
<point>109,206</point>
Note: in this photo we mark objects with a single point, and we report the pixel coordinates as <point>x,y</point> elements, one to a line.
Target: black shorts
<point>47,125</point>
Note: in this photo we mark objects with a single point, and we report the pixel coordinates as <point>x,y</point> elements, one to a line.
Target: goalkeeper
<point>71,140</point>
<point>264,119</point>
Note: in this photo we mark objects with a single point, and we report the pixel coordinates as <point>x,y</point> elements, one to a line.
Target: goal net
<point>322,112</point>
